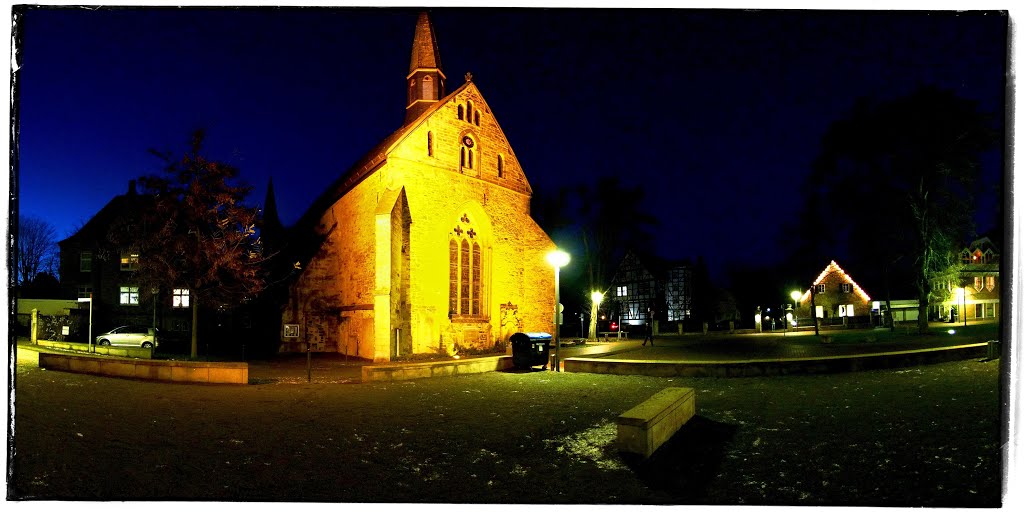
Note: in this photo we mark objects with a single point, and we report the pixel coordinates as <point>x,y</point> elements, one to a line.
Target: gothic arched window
<point>467,270</point>
<point>430,144</point>
<point>461,115</point>
<point>501,166</point>
<point>466,158</point>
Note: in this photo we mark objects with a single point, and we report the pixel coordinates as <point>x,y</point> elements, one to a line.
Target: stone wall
<point>367,274</point>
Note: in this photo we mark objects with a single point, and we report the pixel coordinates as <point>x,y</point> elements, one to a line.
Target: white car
<point>128,336</point>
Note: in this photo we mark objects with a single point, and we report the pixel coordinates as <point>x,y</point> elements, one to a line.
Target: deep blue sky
<point>718,114</point>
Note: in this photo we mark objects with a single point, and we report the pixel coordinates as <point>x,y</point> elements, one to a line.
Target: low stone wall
<point>174,371</point>
<point>407,371</point>
<point>144,353</point>
<point>762,367</point>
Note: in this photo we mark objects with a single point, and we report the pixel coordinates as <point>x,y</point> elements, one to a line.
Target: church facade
<point>425,245</point>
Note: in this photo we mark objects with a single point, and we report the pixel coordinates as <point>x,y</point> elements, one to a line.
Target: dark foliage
<point>895,183</point>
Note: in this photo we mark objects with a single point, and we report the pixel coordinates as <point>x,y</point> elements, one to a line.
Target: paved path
<point>334,368</point>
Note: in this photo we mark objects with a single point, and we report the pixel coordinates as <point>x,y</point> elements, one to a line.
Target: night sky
<point>717,114</point>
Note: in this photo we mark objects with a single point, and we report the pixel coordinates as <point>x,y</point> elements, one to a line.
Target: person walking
<point>649,328</point>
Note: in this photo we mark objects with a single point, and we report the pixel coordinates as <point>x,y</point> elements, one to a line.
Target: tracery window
<point>466,272</point>
<point>467,152</point>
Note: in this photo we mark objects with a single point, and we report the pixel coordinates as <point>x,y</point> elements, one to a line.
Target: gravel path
<point>925,436</point>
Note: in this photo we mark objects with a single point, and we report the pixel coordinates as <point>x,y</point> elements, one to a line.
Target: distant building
<point>836,296</point>
<point>91,265</point>
<point>976,288</point>
<point>649,284</point>
<point>426,244</point>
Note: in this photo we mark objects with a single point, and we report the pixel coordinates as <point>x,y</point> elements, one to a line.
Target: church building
<point>426,244</point>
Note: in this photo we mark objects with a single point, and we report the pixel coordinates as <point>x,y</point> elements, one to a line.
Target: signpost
<point>89,300</point>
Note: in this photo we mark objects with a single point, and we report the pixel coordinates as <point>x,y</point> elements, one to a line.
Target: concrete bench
<point>644,428</point>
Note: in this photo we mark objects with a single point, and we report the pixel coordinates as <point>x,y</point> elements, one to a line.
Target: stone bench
<point>644,428</point>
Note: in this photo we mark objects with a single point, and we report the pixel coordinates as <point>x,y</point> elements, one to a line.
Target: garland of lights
<point>833,266</point>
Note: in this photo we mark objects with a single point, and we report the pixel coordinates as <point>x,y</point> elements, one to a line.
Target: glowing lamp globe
<point>558,258</point>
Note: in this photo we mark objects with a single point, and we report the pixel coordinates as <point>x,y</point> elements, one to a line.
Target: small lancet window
<point>501,167</point>
<point>428,88</point>
<point>476,118</point>
<point>430,144</point>
<point>461,115</point>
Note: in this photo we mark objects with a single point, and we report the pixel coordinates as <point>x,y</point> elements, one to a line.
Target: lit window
<point>84,292</point>
<point>129,296</point>
<point>180,298</point>
<point>620,291</point>
<point>820,289</point>
<point>129,261</point>
<point>85,261</point>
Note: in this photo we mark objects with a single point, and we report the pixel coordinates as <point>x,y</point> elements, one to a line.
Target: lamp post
<point>795,295</point>
<point>963,303</point>
<point>595,303</point>
<point>89,300</point>
<point>557,259</point>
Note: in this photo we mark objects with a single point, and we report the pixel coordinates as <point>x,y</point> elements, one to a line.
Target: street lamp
<point>89,300</point>
<point>962,292</point>
<point>557,259</point>
<point>795,295</point>
<point>595,304</point>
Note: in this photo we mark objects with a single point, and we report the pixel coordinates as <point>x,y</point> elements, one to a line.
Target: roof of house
<point>97,227</point>
<point>830,268</point>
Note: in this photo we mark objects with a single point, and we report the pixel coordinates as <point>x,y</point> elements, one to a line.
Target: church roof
<point>424,46</point>
<point>367,164</point>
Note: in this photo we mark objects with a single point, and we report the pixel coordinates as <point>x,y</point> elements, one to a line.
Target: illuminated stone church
<point>426,244</point>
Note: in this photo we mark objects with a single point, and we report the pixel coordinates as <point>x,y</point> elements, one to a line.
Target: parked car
<point>130,336</point>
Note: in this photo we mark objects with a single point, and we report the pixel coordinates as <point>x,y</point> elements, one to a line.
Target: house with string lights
<point>837,298</point>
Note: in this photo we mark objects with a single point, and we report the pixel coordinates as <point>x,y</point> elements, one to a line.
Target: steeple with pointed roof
<point>425,79</point>
<point>271,227</point>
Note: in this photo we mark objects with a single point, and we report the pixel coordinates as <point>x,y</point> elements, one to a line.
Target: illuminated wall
<point>380,287</point>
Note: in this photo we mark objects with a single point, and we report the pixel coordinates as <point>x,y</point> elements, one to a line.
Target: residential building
<point>92,266</point>
<point>643,285</point>
<point>974,290</point>
<point>836,296</point>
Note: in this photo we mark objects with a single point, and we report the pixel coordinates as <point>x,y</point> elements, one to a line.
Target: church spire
<point>425,79</point>
<point>271,227</point>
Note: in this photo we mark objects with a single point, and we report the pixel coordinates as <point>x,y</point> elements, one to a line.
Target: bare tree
<point>199,235</point>
<point>37,248</point>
